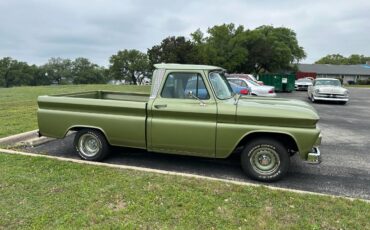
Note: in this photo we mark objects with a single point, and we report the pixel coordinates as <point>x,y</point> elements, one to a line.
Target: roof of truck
<point>185,66</point>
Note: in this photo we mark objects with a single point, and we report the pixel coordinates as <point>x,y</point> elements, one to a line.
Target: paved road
<point>345,169</point>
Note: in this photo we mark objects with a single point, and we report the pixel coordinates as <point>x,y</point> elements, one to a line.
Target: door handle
<point>160,106</point>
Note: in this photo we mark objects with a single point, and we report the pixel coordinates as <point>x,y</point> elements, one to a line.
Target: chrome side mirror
<point>191,95</point>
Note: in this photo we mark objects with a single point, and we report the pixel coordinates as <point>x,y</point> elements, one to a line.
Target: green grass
<point>18,105</point>
<point>43,193</point>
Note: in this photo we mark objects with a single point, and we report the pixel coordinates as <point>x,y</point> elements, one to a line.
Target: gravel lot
<point>345,167</point>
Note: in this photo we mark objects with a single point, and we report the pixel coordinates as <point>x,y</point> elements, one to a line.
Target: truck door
<point>183,116</point>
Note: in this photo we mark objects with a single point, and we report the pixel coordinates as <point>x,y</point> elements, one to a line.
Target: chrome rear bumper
<point>314,157</point>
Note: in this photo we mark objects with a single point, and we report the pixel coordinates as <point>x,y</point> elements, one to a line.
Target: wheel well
<point>285,139</point>
<point>78,128</point>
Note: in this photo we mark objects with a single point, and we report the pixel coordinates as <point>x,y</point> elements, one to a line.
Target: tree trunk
<point>6,80</point>
<point>133,78</point>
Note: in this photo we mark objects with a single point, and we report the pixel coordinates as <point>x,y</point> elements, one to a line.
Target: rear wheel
<point>91,145</point>
<point>265,160</point>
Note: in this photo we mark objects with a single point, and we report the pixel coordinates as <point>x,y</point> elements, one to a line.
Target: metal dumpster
<point>281,82</point>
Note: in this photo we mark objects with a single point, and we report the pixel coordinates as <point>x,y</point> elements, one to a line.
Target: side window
<point>178,85</point>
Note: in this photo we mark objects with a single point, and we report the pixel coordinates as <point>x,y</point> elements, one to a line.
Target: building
<point>344,72</point>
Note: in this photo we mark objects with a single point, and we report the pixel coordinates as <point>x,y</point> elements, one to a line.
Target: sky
<point>36,30</point>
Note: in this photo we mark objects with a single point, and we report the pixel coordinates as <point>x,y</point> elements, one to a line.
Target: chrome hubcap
<point>265,160</point>
<point>89,145</point>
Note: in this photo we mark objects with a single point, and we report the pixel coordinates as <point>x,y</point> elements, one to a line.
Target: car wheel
<point>91,145</point>
<point>265,160</point>
<point>342,102</point>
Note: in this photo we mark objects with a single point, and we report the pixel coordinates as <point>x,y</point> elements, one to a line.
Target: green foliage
<point>58,71</point>
<point>337,59</point>
<point>173,50</point>
<point>223,47</point>
<point>363,82</point>
<point>15,73</point>
<point>272,49</point>
<point>263,49</point>
<point>129,65</point>
<point>85,72</point>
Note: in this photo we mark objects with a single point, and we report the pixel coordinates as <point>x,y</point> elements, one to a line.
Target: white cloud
<point>35,30</point>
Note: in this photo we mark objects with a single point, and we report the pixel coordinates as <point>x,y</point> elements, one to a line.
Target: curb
<point>18,137</point>
<point>29,138</point>
<point>188,175</point>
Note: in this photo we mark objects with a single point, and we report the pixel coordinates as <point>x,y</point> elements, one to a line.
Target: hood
<point>330,89</point>
<point>276,112</point>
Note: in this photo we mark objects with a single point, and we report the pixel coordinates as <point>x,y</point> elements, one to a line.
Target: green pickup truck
<point>191,110</point>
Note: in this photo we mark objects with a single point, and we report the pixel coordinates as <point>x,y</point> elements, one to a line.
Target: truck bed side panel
<point>122,122</point>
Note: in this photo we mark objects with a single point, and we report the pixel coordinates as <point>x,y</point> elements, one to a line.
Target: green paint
<point>180,125</point>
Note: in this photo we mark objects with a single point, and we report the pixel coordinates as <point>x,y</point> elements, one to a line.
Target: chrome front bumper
<point>314,157</point>
<point>323,98</point>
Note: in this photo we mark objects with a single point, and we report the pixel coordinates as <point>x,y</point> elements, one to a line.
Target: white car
<point>256,89</point>
<point>327,89</point>
<point>302,84</point>
<point>246,76</point>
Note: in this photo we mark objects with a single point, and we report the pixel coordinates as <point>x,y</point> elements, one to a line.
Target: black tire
<point>91,145</point>
<point>342,102</point>
<point>265,151</point>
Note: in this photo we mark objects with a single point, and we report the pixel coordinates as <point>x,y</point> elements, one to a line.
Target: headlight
<point>346,93</point>
<point>317,91</point>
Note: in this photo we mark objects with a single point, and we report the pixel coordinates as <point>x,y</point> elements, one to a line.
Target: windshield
<point>328,82</point>
<point>220,85</point>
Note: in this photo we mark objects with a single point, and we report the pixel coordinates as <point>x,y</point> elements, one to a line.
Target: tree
<point>337,59</point>
<point>173,50</point>
<point>263,49</point>
<point>129,64</point>
<point>272,49</point>
<point>6,65</point>
<point>58,70</point>
<point>14,73</point>
<point>85,72</point>
<point>223,47</point>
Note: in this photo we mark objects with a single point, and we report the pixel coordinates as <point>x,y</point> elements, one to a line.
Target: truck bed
<point>108,95</point>
<point>120,116</point>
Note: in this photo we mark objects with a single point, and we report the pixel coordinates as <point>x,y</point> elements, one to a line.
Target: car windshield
<point>220,85</point>
<point>328,82</point>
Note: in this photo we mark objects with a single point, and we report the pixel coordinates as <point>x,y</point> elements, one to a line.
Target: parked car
<point>249,77</point>
<point>256,89</point>
<point>328,89</point>
<point>173,119</point>
<point>199,90</point>
<point>244,90</point>
<point>302,84</point>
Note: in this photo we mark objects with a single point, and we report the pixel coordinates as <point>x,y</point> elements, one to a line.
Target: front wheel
<point>91,145</point>
<point>265,160</point>
<point>312,99</point>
